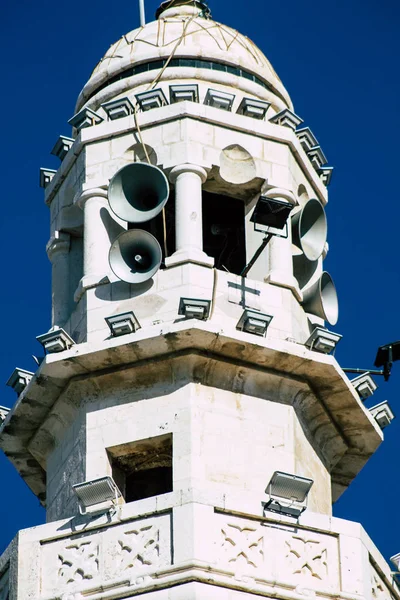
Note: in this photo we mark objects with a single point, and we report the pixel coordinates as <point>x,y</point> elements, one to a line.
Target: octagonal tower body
<point>189,416</point>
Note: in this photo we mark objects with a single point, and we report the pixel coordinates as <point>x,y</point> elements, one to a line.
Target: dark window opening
<point>223,231</point>
<point>143,469</point>
<point>156,227</point>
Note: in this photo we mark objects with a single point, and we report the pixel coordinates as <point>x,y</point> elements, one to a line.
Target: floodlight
<point>252,321</point>
<point>395,560</point>
<point>322,340</point>
<point>92,494</point>
<point>364,385</point>
<point>287,494</point>
<point>85,118</point>
<point>122,324</point>
<point>193,308</point>
<point>180,93</point>
<point>386,356</point>
<point>250,107</point>
<point>287,118</point>
<point>317,157</point>
<point>382,414</point>
<point>151,99</point>
<point>271,212</point>
<point>46,175</point>
<point>19,379</point>
<point>118,109</point>
<point>3,413</point>
<point>306,138</point>
<point>56,340</point>
<point>219,99</point>
<point>62,146</point>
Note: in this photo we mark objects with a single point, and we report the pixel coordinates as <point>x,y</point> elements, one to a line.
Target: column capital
<point>276,193</point>
<point>81,198</point>
<point>187,168</point>
<point>58,243</point>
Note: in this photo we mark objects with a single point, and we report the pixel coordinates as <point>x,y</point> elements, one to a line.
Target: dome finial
<point>204,11</point>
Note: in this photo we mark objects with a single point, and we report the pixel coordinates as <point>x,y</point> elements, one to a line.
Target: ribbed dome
<point>201,38</point>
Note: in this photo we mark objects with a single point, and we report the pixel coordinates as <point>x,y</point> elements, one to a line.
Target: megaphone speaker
<point>138,192</point>
<point>309,229</point>
<point>320,299</point>
<point>135,256</point>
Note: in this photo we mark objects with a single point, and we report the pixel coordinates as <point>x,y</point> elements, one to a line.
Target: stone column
<point>280,260</point>
<point>96,240</point>
<point>188,181</point>
<point>58,253</point>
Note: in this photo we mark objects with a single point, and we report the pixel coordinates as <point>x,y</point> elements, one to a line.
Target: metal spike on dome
<point>204,10</point>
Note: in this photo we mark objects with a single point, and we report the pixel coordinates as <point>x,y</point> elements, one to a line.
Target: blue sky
<point>339,62</point>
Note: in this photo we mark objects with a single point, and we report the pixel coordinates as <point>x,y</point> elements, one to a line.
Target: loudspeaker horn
<point>321,299</point>
<point>135,256</point>
<point>138,192</point>
<point>309,229</point>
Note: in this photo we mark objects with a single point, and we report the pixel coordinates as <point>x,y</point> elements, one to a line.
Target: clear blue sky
<point>339,61</point>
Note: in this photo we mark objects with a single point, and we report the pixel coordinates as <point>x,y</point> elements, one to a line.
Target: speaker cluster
<point>137,193</point>
<point>309,233</point>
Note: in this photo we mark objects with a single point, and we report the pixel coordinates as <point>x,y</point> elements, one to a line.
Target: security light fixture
<point>219,99</point>
<point>93,495</point>
<point>255,322</point>
<point>382,414</point>
<point>85,118</point>
<point>122,324</point>
<point>151,99</point>
<point>180,93</point>
<point>271,212</point>
<point>322,340</point>
<point>19,379</point>
<point>56,340</point>
<point>250,107</point>
<point>3,413</point>
<point>117,109</point>
<point>364,385</point>
<point>61,147</point>
<point>386,356</point>
<point>287,494</point>
<point>46,175</point>
<point>287,118</point>
<point>194,308</point>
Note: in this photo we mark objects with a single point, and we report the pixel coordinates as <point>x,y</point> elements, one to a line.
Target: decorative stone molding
<point>287,118</point>
<point>58,243</point>
<point>117,109</point>
<point>151,99</point>
<point>46,175</point>
<point>85,118</point>
<point>61,147</point>
<point>19,379</point>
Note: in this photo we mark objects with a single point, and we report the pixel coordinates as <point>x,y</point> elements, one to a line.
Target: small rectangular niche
<point>143,468</point>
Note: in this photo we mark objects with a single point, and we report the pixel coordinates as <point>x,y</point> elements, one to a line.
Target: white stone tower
<point>184,372</point>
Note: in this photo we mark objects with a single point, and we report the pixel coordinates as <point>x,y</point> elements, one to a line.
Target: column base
<point>282,280</point>
<point>191,255</point>
<point>88,282</point>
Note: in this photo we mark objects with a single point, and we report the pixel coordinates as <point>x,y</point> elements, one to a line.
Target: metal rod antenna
<point>364,371</point>
<point>142,13</point>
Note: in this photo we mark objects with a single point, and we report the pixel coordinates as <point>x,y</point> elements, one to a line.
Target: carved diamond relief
<point>307,557</point>
<point>242,547</point>
<point>78,562</point>
<point>4,586</point>
<point>139,548</point>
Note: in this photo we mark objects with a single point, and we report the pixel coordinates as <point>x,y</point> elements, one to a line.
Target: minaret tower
<point>189,428</point>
